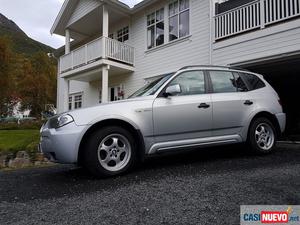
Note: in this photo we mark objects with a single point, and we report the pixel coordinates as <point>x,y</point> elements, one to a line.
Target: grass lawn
<point>12,141</point>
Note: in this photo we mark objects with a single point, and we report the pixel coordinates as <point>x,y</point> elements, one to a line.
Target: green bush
<point>25,125</point>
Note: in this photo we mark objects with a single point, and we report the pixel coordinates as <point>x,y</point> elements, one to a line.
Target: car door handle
<point>248,102</point>
<point>203,106</point>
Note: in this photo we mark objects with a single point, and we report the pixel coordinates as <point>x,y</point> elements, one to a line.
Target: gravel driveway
<point>203,187</point>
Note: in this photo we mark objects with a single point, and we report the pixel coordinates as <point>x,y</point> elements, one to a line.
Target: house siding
<point>83,7</point>
<point>164,59</point>
<point>275,40</point>
<point>171,57</point>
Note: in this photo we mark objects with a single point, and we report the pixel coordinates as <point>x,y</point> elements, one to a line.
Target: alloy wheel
<point>114,152</point>
<point>264,136</point>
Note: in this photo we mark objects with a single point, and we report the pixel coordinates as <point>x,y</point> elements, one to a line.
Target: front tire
<point>110,151</point>
<point>262,136</point>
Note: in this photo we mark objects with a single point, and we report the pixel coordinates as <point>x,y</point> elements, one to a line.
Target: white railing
<point>101,48</point>
<point>119,51</point>
<point>256,14</point>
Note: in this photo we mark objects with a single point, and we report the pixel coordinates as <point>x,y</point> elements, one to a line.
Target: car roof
<point>221,68</point>
<point>213,67</point>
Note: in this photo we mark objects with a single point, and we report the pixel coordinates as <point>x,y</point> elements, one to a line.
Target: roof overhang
<point>69,5</point>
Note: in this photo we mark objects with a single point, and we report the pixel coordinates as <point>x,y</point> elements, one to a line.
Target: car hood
<point>124,109</point>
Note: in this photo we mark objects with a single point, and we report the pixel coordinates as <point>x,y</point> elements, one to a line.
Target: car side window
<point>191,83</point>
<point>240,84</point>
<point>253,81</point>
<point>223,81</point>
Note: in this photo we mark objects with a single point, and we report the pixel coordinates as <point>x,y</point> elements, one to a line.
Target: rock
<point>19,163</point>
<point>3,161</point>
<point>39,157</point>
<point>22,155</point>
<point>22,160</point>
<point>38,163</point>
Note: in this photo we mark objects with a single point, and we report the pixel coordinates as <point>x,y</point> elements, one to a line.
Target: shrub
<point>25,125</point>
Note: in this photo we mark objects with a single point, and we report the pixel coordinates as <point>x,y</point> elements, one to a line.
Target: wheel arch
<point>269,116</point>
<point>113,122</point>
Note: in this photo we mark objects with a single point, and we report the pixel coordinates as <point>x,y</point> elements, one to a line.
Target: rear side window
<point>240,84</point>
<point>253,81</point>
<point>223,81</point>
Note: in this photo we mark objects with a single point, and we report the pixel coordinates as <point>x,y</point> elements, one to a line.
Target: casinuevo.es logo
<point>269,214</point>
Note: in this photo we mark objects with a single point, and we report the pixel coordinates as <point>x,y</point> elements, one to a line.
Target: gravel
<point>206,186</point>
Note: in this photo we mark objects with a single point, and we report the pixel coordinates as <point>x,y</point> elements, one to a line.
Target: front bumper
<point>281,118</point>
<point>61,145</point>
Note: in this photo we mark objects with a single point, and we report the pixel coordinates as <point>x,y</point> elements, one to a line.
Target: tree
<point>37,86</point>
<point>5,62</point>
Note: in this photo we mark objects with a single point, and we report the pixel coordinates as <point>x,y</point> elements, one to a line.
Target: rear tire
<point>262,136</point>
<point>110,151</point>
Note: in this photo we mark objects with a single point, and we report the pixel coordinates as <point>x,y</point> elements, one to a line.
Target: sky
<point>36,17</point>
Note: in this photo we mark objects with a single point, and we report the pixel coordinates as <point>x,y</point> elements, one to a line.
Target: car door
<point>230,106</point>
<point>187,115</point>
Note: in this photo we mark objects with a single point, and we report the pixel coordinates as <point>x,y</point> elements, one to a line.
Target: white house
<point>111,50</point>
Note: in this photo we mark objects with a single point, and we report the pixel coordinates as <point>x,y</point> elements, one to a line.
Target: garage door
<point>284,76</point>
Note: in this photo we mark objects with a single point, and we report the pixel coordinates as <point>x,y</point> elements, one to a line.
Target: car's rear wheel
<point>110,151</point>
<point>262,136</point>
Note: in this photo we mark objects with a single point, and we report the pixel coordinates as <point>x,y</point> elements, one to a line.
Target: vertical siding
<point>83,7</point>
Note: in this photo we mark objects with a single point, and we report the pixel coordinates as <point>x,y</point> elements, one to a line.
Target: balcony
<point>254,15</point>
<point>101,48</point>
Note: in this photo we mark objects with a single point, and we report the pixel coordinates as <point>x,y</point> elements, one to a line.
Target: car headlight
<point>60,121</point>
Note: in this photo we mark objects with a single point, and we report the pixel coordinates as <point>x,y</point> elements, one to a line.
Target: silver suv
<point>198,106</point>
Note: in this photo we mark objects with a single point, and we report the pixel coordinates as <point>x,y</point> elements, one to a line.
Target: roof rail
<point>224,67</point>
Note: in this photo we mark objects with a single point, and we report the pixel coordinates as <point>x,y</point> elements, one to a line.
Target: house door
<point>115,93</point>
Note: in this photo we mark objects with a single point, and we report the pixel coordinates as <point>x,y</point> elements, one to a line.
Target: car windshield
<point>152,87</point>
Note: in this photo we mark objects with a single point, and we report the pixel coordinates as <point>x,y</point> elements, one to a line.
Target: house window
<point>179,19</point>
<point>123,34</point>
<point>70,102</point>
<point>155,28</point>
<point>75,101</point>
<point>78,101</point>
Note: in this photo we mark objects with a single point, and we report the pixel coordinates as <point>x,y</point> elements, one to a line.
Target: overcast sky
<point>36,17</point>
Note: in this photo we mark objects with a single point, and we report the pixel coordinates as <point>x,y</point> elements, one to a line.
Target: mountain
<point>20,41</point>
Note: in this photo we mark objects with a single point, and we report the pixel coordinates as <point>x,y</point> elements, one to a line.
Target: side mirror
<point>173,90</point>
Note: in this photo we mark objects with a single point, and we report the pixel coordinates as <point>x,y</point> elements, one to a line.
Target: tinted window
<point>191,83</point>
<point>223,82</point>
<point>240,84</point>
<point>253,81</point>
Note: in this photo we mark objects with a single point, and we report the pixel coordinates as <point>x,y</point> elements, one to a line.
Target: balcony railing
<point>256,14</point>
<point>101,48</point>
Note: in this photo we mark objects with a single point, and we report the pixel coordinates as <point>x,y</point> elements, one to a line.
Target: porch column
<point>105,83</point>
<point>67,42</point>
<point>105,21</point>
<point>65,85</point>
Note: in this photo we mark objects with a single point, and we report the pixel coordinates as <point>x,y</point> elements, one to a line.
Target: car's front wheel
<point>110,151</point>
<point>262,136</point>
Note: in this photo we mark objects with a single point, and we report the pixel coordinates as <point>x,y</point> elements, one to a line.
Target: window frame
<point>206,83</point>
<point>211,86</point>
<point>70,103</point>
<point>240,75</point>
<point>122,30</point>
<point>178,19</point>
<point>72,100</point>
<point>162,9</point>
<point>111,36</point>
<point>249,86</point>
